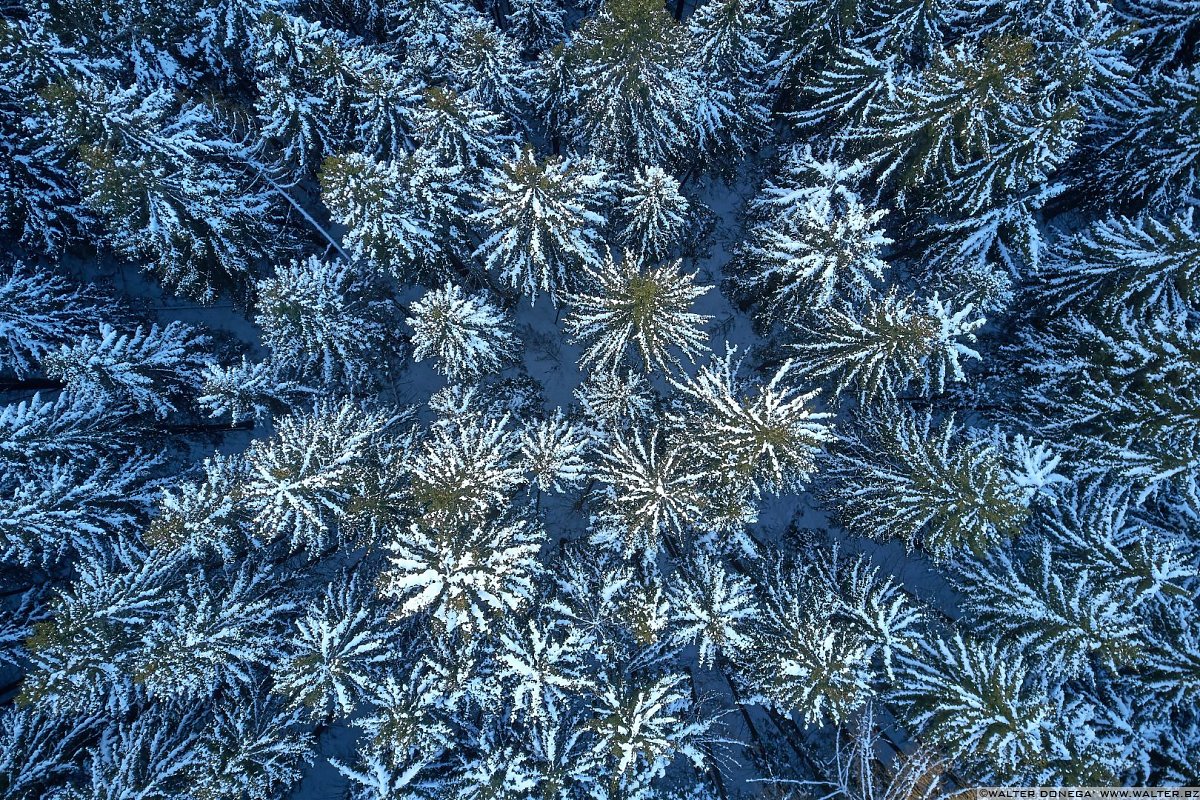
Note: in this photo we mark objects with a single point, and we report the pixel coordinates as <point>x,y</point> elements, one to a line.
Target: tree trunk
<point>208,427</point>
<point>34,384</point>
<point>713,769</point>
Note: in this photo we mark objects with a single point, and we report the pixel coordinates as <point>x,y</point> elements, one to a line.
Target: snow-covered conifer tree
<point>730,41</point>
<point>465,575</point>
<point>712,608</point>
<point>1164,26</point>
<point>650,490</point>
<point>145,753</point>
<point>218,631</point>
<point>642,724</point>
<point>38,749</point>
<point>633,305</point>
<point>802,657</point>
<point>802,31</point>
<point>541,661</point>
<point>628,600</point>
<point>979,701</point>
<point>465,334</point>
<point>152,370</point>
<point>70,427</point>
<point>1062,618</point>
<point>303,95</point>
<point>1119,392</point>
<point>466,467</point>
<point>323,91</point>
<point>962,109</point>
<point>1154,154</point>
<point>461,132</point>
<point>732,113</point>
<point>759,434</point>
<point>81,659</point>
<point>815,253</point>
<point>1148,265</point>
<point>337,651</point>
<point>875,605</point>
<point>39,312</point>
<point>485,66</point>
<point>427,27</point>
<point>994,200</point>
<point>296,126</point>
<point>385,106</point>
<point>854,85</point>
<point>555,91</point>
<point>612,398</point>
<point>229,34</point>
<point>635,93</point>
<point>537,24</point>
<point>249,391</point>
<point>653,213</point>
<point>913,29</point>
<point>885,345</point>
<point>323,319</point>
<point>493,767</point>
<point>48,511</point>
<point>1098,527</point>
<point>39,204</point>
<point>542,222</point>
<point>204,516</point>
<point>300,480</point>
<point>402,217</point>
<point>167,187</point>
<point>900,475</point>
<point>816,239</point>
<point>408,731</point>
<point>252,748</point>
<point>555,451</point>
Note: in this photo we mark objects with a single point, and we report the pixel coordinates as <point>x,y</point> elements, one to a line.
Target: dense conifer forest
<point>609,400</point>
